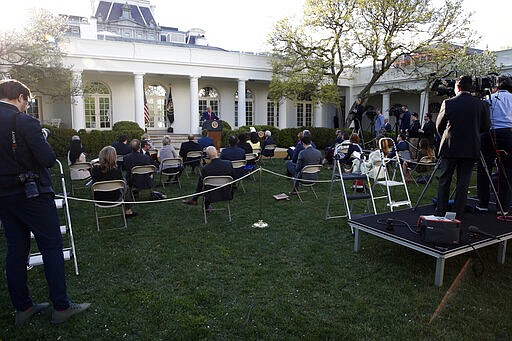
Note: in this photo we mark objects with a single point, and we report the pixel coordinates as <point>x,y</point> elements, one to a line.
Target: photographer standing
<point>460,122</point>
<point>405,123</point>
<point>498,140</point>
<point>27,205</point>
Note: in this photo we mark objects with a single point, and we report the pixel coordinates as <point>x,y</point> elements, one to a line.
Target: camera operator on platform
<point>27,205</point>
<point>460,122</point>
<point>498,139</point>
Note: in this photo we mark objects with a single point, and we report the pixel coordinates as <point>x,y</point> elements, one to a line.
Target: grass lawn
<point>170,276</point>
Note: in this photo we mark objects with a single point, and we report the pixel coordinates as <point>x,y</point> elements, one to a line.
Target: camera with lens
<point>371,113</point>
<point>396,110</point>
<point>29,181</point>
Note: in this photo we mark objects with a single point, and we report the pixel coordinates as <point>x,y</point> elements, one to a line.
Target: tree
<point>337,35</point>
<point>309,60</point>
<point>34,57</point>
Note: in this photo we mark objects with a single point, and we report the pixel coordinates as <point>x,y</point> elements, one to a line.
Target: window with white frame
<point>155,98</point>
<point>208,97</point>
<point>249,108</point>
<point>35,108</point>
<point>272,113</point>
<point>97,106</point>
<point>304,113</point>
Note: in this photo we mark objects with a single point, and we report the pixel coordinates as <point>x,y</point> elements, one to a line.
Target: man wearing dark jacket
<point>215,167</point>
<point>27,205</point>
<point>136,158</point>
<point>190,146</point>
<point>460,122</point>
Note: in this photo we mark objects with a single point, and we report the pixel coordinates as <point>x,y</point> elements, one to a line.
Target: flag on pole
<point>146,111</point>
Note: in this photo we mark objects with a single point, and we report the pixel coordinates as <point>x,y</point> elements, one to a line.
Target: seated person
<point>205,140</point>
<point>267,142</point>
<point>233,153</point>
<point>189,146</point>
<point>425,155</point>
<point>353,147</point>
<point>290,150</point>
<point>107,170</point>
<point>168,152</point>
<point>122,147</point>
<point>309,155</point>
<point>329,151</point>
<point>136,158</point>
<point>401,146</point>
<point>145,146</point>
<point>254,139</point>
<point>291,165</point>
<point>242,143</point>
<point>76,155</point>
<point>215,167</point>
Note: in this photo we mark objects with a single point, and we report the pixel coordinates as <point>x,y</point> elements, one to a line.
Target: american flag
<point>146,111</point>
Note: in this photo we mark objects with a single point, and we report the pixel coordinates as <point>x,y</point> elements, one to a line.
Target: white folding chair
<point>239,166</point>
<point>80,174</point>
<point>193,155</point>
<point>210,182</point>
<point>309,174</point>
<point>141,171</point>
<point>269,150</point>
<point>109,186</point>
<point>171,167</point>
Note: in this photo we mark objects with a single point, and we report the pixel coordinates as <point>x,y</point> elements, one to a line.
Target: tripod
<point>484,164</point>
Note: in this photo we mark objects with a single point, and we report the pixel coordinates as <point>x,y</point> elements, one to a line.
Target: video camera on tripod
<point>482,85</point>
<point>371,113</point>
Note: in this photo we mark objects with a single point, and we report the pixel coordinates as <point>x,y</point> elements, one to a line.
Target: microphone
<point>475,229</point>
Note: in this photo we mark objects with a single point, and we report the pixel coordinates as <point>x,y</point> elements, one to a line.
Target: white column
<point>138,84</point>
<point>318,115</point>
<point>386,99</point>
<point>349,100</point>
<point>77,103</point>
<point>194,105</point>
<point>423,104</point>
<point>282,113</point>
<point>241,103</point>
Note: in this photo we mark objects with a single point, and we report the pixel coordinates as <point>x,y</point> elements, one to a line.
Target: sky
<point>244,26</point>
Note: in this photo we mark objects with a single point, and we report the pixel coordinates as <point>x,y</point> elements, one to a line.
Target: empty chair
<point>310,174</point>
<point>141,178</point>
<point>79,174</point>
<point>239,168</point>
<point>171,168</point>
<point>220,194</point>
<point>111,190</point>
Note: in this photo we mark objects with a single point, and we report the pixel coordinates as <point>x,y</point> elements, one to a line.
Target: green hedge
<point>93,141</point>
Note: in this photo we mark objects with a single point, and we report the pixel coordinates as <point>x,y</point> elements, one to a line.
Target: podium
<point>214,129</point>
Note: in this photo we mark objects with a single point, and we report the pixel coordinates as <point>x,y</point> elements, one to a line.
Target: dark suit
<point>405,123</point>
<point>308,156</point>
<point>460,122</point>
<point>137,159</point>
<point>232,154</point>
<point>20,215</point>
<point>209,116</point>
<point>268,141</point>
<point>190,146</point>
<point>216,167</point>
<point>205,141</point>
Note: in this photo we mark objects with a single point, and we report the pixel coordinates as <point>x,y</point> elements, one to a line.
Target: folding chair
<point>111,186</point>
<point>171,168</point>
<point>269,150</point>
<point>252,160</point>
<point>221,194</point>
<point>75,175</point>
<point>310,174</point>
<point>192,156</point>
<point>141,178</point>
<point>239,168</point>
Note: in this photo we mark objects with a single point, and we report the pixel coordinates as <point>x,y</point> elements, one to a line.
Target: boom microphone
<point>475,229</point>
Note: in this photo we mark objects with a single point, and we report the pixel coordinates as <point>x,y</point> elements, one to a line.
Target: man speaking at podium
<point>208,115</point>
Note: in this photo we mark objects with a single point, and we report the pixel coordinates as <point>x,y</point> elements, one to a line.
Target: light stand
<point>260,223</point>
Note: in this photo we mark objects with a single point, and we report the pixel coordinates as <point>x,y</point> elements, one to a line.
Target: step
<point>399,203</point>
<point>390,183</point>
<point>63,230</point>
<point>354,176</point>
<point>37,258</point>
<point>358,196</point>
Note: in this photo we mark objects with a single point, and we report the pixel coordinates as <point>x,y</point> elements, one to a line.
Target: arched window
<point>155,97</point>
<point>208,97</point>
<point>249,108</point>
<point>272,112</point>
<point>97,106</point>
